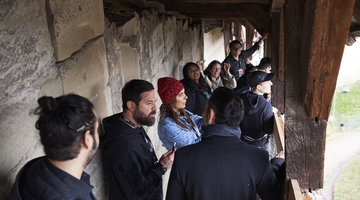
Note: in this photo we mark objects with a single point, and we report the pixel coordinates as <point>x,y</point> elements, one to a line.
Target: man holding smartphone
<point>134,170</point>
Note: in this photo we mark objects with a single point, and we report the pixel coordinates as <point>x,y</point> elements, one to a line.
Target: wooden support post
<point>249,35</point>
<point>315,36</point>
<point>227,35</point>
<point>277,60</point>
<point>325,29</point>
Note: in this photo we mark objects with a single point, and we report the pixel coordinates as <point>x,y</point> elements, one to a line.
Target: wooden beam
<point>314,42</point>
<point>255,24</point>
<point>227,35</point>
<point>205,8</point>
<point>304,138</point>
<point>221,1</point>
<point>356,10</point>
<point>324,62</point>
<point>238,29</point>
<point>294,192</point>
<point>277,5</point>
<point>277,61</point>
<point>134,5</point>
<point>250,31</point>
<point>214,15</point>
<point>261,19</point>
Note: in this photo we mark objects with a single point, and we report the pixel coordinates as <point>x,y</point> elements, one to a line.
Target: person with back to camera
<point>134,172</point>
<point>265,65</point>
<point>68,132</point>
<point>237,57</point>
<point>196,88</point>
<point>221,166</point>
<point>216,76</point>
<point>176,124</point>
<point>258,122</point>
<point>242,86</point>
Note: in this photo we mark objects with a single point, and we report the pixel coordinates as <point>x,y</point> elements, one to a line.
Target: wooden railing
<point>279,132</point>
<point>294,191</point>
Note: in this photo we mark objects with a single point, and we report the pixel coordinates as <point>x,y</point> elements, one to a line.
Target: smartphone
<point>174,148</point>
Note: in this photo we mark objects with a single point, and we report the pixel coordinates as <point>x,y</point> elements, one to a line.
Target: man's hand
<point>262,39</point>
<point>167,159</point>
<point>265,36</point>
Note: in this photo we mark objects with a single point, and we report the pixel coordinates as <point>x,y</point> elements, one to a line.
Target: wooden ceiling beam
<point>209,7</point>
<point>215,15</point>
<point>356,10</point>
<point>261,19</point>
<point>277,5</point>
<point>219,1</point>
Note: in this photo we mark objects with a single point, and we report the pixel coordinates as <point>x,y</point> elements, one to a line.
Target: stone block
<point>73,23</point>
<point>86,72</point>
<point>213,42</point>
<point>131,27</point>
<point>102,103</point>
<point>129,63</point>
<point>170,34</point>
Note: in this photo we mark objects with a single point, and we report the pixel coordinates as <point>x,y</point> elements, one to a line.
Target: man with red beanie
<point>176,125</point>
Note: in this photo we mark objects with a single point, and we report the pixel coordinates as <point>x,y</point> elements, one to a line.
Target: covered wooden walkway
<point>306,44</point>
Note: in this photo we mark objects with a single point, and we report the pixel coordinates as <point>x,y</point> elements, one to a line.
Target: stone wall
<point>54,48</point>
<point>214,46</point>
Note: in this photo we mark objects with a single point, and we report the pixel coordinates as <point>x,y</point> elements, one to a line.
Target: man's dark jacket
<point>40,180</point>
<point>236,65</point>
<point>259,116</point>
<point>132,172</point>
<point>222,167</point>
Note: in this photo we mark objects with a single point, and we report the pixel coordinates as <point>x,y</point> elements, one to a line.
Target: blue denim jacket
<point>169,132</point>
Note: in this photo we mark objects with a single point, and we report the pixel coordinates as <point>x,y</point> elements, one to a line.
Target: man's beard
<point>91,154</point>
<point>142,119</point>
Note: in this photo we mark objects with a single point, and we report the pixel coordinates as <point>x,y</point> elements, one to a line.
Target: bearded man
<point>134,172</point>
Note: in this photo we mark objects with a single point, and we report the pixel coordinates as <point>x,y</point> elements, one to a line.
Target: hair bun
<point>48,103</point>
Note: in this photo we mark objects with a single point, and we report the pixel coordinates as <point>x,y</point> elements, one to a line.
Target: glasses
<point>193,71</point>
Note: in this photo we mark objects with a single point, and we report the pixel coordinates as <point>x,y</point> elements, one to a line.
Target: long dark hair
<point>168,109</point>
<point>202,83</point>
<point>222,72</point>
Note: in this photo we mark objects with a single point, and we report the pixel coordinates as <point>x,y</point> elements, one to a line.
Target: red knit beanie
<point>168,89</point>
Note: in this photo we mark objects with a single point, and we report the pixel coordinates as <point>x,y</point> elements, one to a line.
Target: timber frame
<point>306,46</point>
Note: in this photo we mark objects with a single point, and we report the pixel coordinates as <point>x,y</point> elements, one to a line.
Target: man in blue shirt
<point>237,57</point>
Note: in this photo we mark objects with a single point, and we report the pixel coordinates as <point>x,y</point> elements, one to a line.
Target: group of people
<point>215,139</point>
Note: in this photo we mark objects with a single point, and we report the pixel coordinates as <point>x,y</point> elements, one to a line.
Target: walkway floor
<point>340,151</point>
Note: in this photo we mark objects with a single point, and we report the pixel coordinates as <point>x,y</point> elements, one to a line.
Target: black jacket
<point>222,167</point>
<point>259,116</point>
<point>40,180</point>
<point>132,170</point>
<point>196,97</point>
<point>237,67</point>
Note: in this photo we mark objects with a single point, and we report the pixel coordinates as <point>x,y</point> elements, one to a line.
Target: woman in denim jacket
<point>176,124</point>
